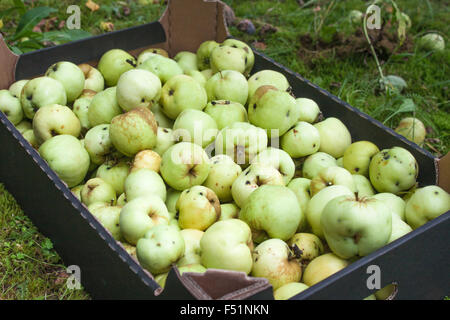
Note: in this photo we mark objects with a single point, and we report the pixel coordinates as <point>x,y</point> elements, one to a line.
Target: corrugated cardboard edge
<point>8,61</point>
<point>443,172</point>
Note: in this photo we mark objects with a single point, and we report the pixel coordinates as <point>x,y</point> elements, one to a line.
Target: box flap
<point>8,61</point>
<point>443,172</point>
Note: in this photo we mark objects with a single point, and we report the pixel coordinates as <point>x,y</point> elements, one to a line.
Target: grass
<point>31,269</point>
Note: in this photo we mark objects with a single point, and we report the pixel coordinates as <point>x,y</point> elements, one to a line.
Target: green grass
<point>31,269</point>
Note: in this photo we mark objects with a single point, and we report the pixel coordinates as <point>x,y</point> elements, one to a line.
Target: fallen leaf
<point>92,5</point>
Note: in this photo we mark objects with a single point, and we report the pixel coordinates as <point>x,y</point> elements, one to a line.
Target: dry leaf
<point>92,5</point>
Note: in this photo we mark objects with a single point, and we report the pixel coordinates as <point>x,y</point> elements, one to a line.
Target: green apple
<point>161,118</point>
<point>66,156</point>
<point>204,54</point>
<point>164,68</point>
<point>272,211</point>
<point>185,165</point>
<point>272,109</point>
<point>249,56</point>
<point>227,245</point>
<point>39,92</point>
<point>171,200</point>
<point>109,217</point>
<point>187,61</point>
<point>113,63</point>
<point>279,159</point>
<point>301,188</point>
<point>77,191</point>
<point>413,129</point>
<point>98,190</point>
<point>193,267</point>
<point>104,107</point>
<point>399,228</point>
<point>81,110</point>
<point>302,140</point>
<point>182,92</point>
<point>52,120</point>
<point>207,73</point>
<point>138,88</point>
<point>308,109</point>
<point>363,186</point>
<point>162,277</point>
<point>16,88</point>
<point>386,292</point>
<point>356,226</point>
<point>322,267</point>
<point>93,79</point>
<point>133,131</point>
<point>307,245</point>
<point>426,204</point>
<point>267,77</point>
<point>223,172</point>
<point>29,136</point>
<point>144,55</point>
<point>198,208</point>
<point>130,249</point>
<point>249,180</point>
<point>357,157</point>
<point>11,107</point>
<point>340,162</point>
<point>121,200</point>
<point>229,211</point>
<point>197,76</point>
<point>394,203</point>
<point>287,291</point>
<point>114,172</point>
<point>332,176</point>
<point>393,170</point>
<point>317,162</point>
<point>226,112</point>
<point>334,137</point>
<point>98,143</point>
<point>192,252</point>
<point>241,141</point>
<point>148,159</point>
<point>274,260</point>
<point>195,126</point>
<point>140,215</point>
<point>164,140</point>
<point>317,204</point>
<point>227,85</point>
<point>144,182</point>
<point>70,76</point>
<point>159,248</point>
<point>23,126</point>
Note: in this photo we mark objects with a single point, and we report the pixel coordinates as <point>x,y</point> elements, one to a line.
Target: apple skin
<point>16,88</point>
<point>195,126</point>
<point>11,107</point>
<point>426,204</point>
<point>114,172</point>
<point>309,244</point>
<point>279,159</point>
<point>198,208</point>
<point>171,200</point>
<point>192,249</point>
<point>66,156</point>
<point>229,211</point>
<point>93,79</point>
<point>223,172</point>
<point>399,228</point>
<point>227,245</point>
<point>77,191</point>
<point>39,92</point>
<point>140,215</point>
<point>144,182</point>
<point>121,200</point>
<point>182,92</point>
<point>322,267</point>
<point>207,73</point>
<point>113,63</point>
<point>228,58</point>
<point>302,140</point>
<point>226,112</point>
<point>393,170</point>
<point>272,211</point>
<point>289,290</point>
<point>273,110</point>
<point>70,76</point>
<point>161,118</point>
<point>184,165</point>
<point>334,137</point>
<point>241,141</point>
<point>317,204</point>
<point>187,61</point>
<point>301,188</point>
<point>130,249</point>
<point>53,120</point>
<point>23,126</point>
<point>251,179</point>
<point>273,260</point>
<point>81,110</point>
<point>148,159</point>
<point>133,131</point>
<point>395,204</point>
<point>227,85</point>
<point>197,76</point>
<point>357,157</point>
<point>144,55</point>
<point>161,246</point>
<point>98,143</point>
<point>332,176</point>
<point>104,107</point>
<point>363,186</point>
<point>193,267</point>
<point>204,54</point>
<point>98,190</point>
<point>385,292</point>
<point>317,162</point>
<point>267,77</point>
<point>413,129</point>
<point>356,226</point>
<point>249,56</point>
<point>137,88</point>
<point>109,217</point>
<point>309,110</point>
<point>164,68</point>
<point>29,136</point>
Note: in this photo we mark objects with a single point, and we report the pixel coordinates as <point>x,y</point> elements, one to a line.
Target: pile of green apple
<point>196,162</point>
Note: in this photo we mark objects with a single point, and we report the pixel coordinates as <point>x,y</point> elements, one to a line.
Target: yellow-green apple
<point>121,200</point>
<point>195,126</point>
<point>322,267</point>
<point>229,211</point>
<point>309,110</point>
<point>340,162</point>
<point>301,188</point>
<point>144,55</point>
<point>164,140</point>
<point>227,85</point>
<point>66,156</point>
<point>358,155</point>
<point>23,126</point>
<point>164,68</point>
<point>29,136</point>
<point>93,79</point>
<point>114,171</point>
<point>413,129</point>
<point>301,140</point>
<point>98,143</point>
<point>113,63</point>
<point>399,228</point>
<point>332,176</point>
<point>204,54</point>
<point>193,267</point>
<point>279,159</point>
<point>77,191</point>
<point>146,159</point>
<point>144,182</point>
<point>363,186</point>
<point>249,56</point>
<point>16,88</point>
<point>11,107</point>
<point>103,107</point>
<point>81,110</point>
<point>192,253</point>
<point>307,246</point>
<point>394,203</point>
<point>334,137</point>
<point>228,58</point>
<point>161,118</point>
<point>109,217</point>
<point>317,162</point>
<point>226,112</point>
<point>197,76</point>
<point>385,292</point>
<point>227,245</point>
<point>207,73</point>
<point>98,190</point>
<point>171,200</point>
<point>130,249</point>
<point>187,61</point>
<point>70,76</point>
<point>289,290</point>
<point>267,77</point>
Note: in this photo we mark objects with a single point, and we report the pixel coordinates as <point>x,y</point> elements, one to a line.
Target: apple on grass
<point>279,159</point>
<point>144,182</point>
<point>227,85</point>
<point>11,107</point>
<point>195,126</point>
<point>226,112</point>
<point>70,76</point>
<point>302,140</point>
<point>93,79</point>
<point>413,129</point>
<point>113,63</point>
<point>104,107</point>
<point>334,137</point>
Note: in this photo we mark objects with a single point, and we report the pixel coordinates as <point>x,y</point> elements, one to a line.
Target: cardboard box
<point>418,262</point>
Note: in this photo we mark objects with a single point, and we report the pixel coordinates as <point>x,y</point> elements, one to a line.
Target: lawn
<point>313,38</point>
